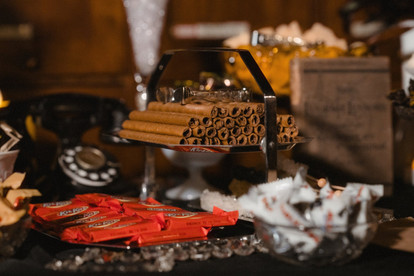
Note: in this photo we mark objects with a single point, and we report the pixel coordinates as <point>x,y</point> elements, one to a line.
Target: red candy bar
<point>170,235</point>
<point>113,202</point>
<point>149,209</point>
<point>101,200</point>
<point>58,210</point>
<point>110,229</point>
<point>201,219</point>
<point>91,215</point>
<point>98,217</point>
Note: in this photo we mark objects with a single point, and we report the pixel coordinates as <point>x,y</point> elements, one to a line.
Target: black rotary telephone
<point>69,116</point>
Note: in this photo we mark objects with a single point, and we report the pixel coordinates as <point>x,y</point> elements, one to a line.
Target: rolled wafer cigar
<point>229,122</point>
<point>247,110</point>
<point>279,138</point>
<point>194,141</point>
<point>193,122</point>
<point>289,138</point>
<point>218,123</point>
<point>232,141</point>
<point>205,140</point>
<point>165,117</point>
<point>258,109</point>
<point>251,107</point>
<point>206,121</point>
<point>279,128</point>
<point>278,119</point>
<point>231,109</point>
<point>152,137</point>
<point>235,131</point>
<point>292,131</point>
<point>285,138</point>
<point>199,131</point>
<point>253,139</point>
<point>241,121</point>
<point>223,133</point>
<point>247,129</point>
<point>223,111</point>
<point>198,109</point>
<point>211,132</point>
<point>215,141</point>
<point>234,110</point>
<point>242,139</point>
<point>287,120</point>
<point>166,129</point>
<point>260,130</point>
<point>254,119</point>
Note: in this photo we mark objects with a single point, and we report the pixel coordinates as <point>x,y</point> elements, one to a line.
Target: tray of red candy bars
<point>126,222</point>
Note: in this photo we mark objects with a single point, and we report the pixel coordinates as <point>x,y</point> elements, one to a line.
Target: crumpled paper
<point>7,160</point>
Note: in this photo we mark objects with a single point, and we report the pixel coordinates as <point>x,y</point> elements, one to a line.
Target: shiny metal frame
<point>269,145</point>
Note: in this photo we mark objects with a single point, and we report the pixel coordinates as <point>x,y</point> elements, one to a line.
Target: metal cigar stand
<point>269,145</point>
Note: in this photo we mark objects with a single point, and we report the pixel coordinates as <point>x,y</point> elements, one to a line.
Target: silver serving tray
<point>115,138</point>
<point>241,229</point>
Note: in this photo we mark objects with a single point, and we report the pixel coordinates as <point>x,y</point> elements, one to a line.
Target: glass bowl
<point>315,246</point>
<point>12,236</point>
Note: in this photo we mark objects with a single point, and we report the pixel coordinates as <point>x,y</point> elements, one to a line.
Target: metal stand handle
<point>269,98</point>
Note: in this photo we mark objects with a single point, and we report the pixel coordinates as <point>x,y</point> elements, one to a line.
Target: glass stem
<point>148,187</point>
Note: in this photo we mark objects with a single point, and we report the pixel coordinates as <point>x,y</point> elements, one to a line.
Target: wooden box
<point>341,103</point>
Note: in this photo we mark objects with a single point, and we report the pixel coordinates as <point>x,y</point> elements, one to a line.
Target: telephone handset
<point>88,165</point>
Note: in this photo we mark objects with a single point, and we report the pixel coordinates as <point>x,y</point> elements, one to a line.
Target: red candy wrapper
<point>94,217</point>
<point>101,200</point>
<point>201,219</point>
<point>179,218</point>
<point>112,228</point>
<point>91,215</point>
<point>146,209</point>
<point>115,203</point>
<point>57,210</point>
<point>170,235</point>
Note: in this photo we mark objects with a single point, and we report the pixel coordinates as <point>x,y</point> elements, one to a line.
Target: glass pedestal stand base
<point>192,187</point>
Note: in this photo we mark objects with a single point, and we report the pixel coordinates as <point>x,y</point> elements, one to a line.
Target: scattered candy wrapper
<point>13,199</point>
<point>7,160</point>
<point>9,137</point>
<point>304,212</point>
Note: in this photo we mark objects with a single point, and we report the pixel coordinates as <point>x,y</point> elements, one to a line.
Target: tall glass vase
<point>145,20</point>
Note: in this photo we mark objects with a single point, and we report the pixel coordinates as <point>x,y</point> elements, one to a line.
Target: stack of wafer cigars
<point>236,123</point>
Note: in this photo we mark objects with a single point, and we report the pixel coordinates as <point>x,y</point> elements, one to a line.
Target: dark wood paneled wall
<point>83,45</point>
<point>88,39</point>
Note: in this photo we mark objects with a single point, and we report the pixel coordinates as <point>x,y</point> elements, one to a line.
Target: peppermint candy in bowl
<point>302,226</point>
<point>315,246</point>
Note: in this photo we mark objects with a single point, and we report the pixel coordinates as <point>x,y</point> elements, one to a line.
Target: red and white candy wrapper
<point>302,192</point>
<point>292,203</point>
<point>363,196</point>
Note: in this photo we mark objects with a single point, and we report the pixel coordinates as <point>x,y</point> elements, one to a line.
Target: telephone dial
<point>83,166</point>
<point>88,165</point>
